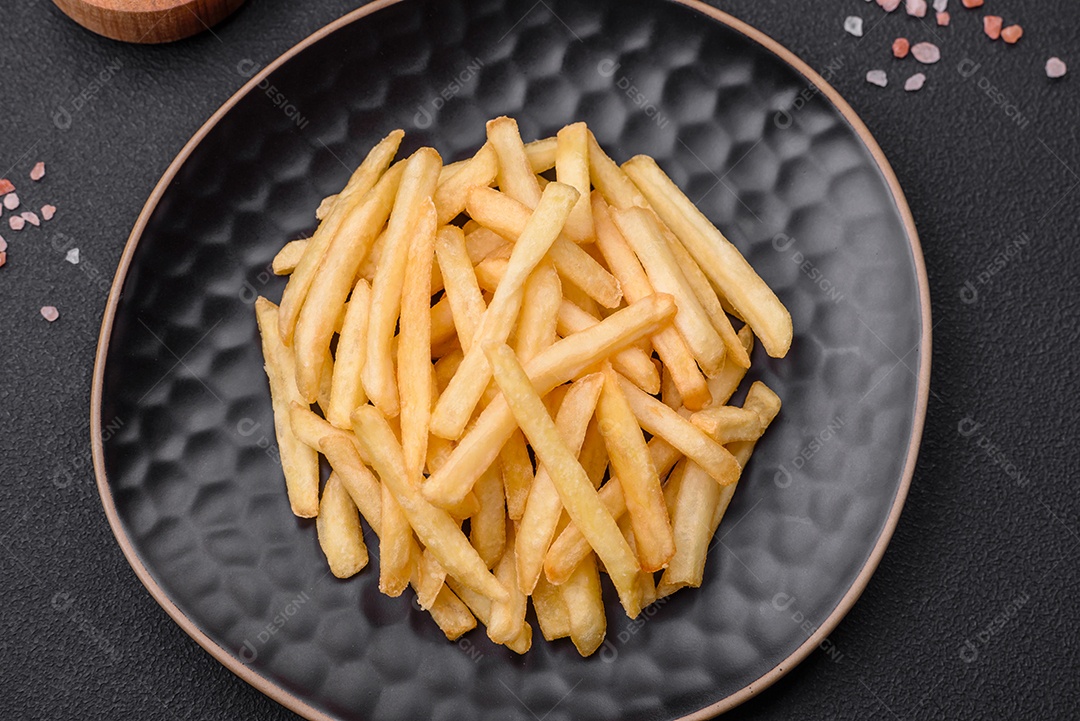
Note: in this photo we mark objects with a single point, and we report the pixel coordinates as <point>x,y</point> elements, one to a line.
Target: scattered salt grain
<point>11,201</point>
<point>1055,68</point>
<point>47,212</point>
<point>6,186</point>
<point>877,77</point>
<point>915,82</point>
<point>900,47</point>
<point>970,4</point>
<point>49,313</point>
<point>38,171</point>
<point>926,53</point>
<point>1012,33</point>
<point>16,222</point>
<point>31,218</point>
<point>72,256</point>
<point>889,5</point>
<point>943,19</point>
<point>992,26</point>
<point>915,8</point>
<point>853,25</point>
<point>941,5</point>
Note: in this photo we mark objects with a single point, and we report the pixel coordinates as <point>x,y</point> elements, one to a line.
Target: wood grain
<point>147,21</point>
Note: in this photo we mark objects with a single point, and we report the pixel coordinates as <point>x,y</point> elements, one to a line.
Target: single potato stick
<point>551,611</point>
<point>669,345</point>
<point>462,292</point>
<point>442,324</point>
<point>457,403</point>
<point>555,365</point>
<point>299,462</point>
<point>660,420</point>
<point>593,455</point>
<point>431,577</point>
<point>608,178</point>
<point>410,204</point>
<point>544,506</point>
<point>371,170</point>
<point>517,474</point>
<point>289,256</point>
<point>414,369</point>
<point>631,462</point>
<point>539,311</point>
<point>716,256</point>
<point>634,363</point>
<point>572,168</point>
<point>585,607</point>
<point>515,176</point>
<point>487,527</point>
<point>395,547</point>
<point>481,606</point>
<point>482,243</point>
<point>508,617</point>
<point>338,526</point>
<point>507,217</point>
<point>643,234</point>
<point>433,526</point>
<point>333,279</point>
<point>578,496</point>
<point>346,390</point>
<point>728,423</point>
<point>541,154</point>
<point>451,192</point>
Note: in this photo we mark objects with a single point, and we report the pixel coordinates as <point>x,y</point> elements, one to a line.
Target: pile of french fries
<point>520,382</point>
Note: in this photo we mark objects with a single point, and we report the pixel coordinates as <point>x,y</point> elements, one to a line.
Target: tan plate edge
<point>294,703</point>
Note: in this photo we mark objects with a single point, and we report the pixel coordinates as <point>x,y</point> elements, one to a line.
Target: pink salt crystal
<point>877,77</point>
<point>916,8</point>
<point>941,5</point>
<point>889,5</point>
<point>38,171</point>
<point>943,19</point>
<point>5,186</point>
<point>11,201</point>
<point>49,313</point>
<point>3,258</point>
<point>926,53</point>
<point>3,245</point>
<point>915,82</point>
<point>48,211</point>
<point>31,218</point>
<point>1055,68</point>
<point>16,222</point>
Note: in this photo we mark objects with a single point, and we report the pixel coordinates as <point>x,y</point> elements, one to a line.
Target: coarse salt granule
<point>915,82</point>
<point>853,25</point>
<point>72,256</point>
<point>47,212</point>
<point>877,77</point>
<point>38,171</point>
<point>1056,68</point>
<point>926,53</point>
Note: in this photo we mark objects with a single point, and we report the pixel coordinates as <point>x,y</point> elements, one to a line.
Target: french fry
<point>299,461</point>
<point>364,489</point>
<point>728,423</point>
<point>578,496</point>
<point>483,243</point>
<point>643,234</point>
<point>462,291</point>
<point>487,527</point>
<point>515,174</point>
<point>367,176</point>
<point>669,345</point>
<point>593,455</point>
<point>410,204</point>
<point>395,546</point>
<point>507,617</point>
<point>539,310</point>
<point>572,168</point>
<point>451,192</point>
<point>608,178</point>
<point>634,363</point>
<point>481,606</point>
<point>289,256</point>
<point>517,474</point>
<point>555,365</point>
<point>551,611</point>
<point>716,256</point>
<point>325,206</point>
<point>346,390</point>
<point>660,420</point>
<point>457,403</point>
<point>433,526</point>
<point>507,217</point>
<point>585,607</point>
<point>724,384</point>
<point>414,371</point>
<point>541,154</point>
<point>544,506</point>
<point>430,578</point>
<point>340,535</point>
<point>631,462</point>
<point>442,324</point>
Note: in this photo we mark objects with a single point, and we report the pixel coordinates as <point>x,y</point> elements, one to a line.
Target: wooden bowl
<point>147,21</point>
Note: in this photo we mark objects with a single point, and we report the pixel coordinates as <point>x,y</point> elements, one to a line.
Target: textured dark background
<point>973,612</point>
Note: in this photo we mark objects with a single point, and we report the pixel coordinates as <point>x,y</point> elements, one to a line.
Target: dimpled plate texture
<point>189,449</point>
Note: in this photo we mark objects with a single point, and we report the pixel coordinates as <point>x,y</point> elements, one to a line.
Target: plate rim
<point>297,704</point>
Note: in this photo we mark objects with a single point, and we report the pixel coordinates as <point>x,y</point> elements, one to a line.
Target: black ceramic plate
<point>183,431</point>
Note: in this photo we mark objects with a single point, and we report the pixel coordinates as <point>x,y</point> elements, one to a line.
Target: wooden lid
<point>147,21</point>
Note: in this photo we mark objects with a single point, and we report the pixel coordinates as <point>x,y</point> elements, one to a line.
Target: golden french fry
<point>572,168</point>
<point>517,474</point>
<point>507,217</point>
<point>451,192</point>
<point>515,174</point>
<point>482,243</point>
<point>338,526</point>
<point>366,177</point>
<point>289,256</point>
<point>643,234</point>
<point>333,279</point>
<point>325,206</point>
<point>608,178</point>
<point>443,331</point>
<point>414,369</point>
<point>576,491</point>
<point>481,606</point>
<point>458,401</point>
<point>487,527</point>
<point>634,363</point>
<point>631,462</point>
<point>462,292</point>
<point>410,204</point>
<point>539,310</point>
<point>551,611</point>
<point>660,420</point>
<point>299,461</point>
<point>728,423</point>
<point>585,607</point>
<point>431,576</point>
<point>451,614</point>
<point>593,455</point>
<point>669,345</point>
<point>555,365</point>
<point>544,506</point>
<point>724,384</point>
<point>716,256</point>
<point>395,546</point>
<point>433,526</point>
<point>363,487</point>
<point>346,390</point>
<point>507,617</point>
<point>541,154</point>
